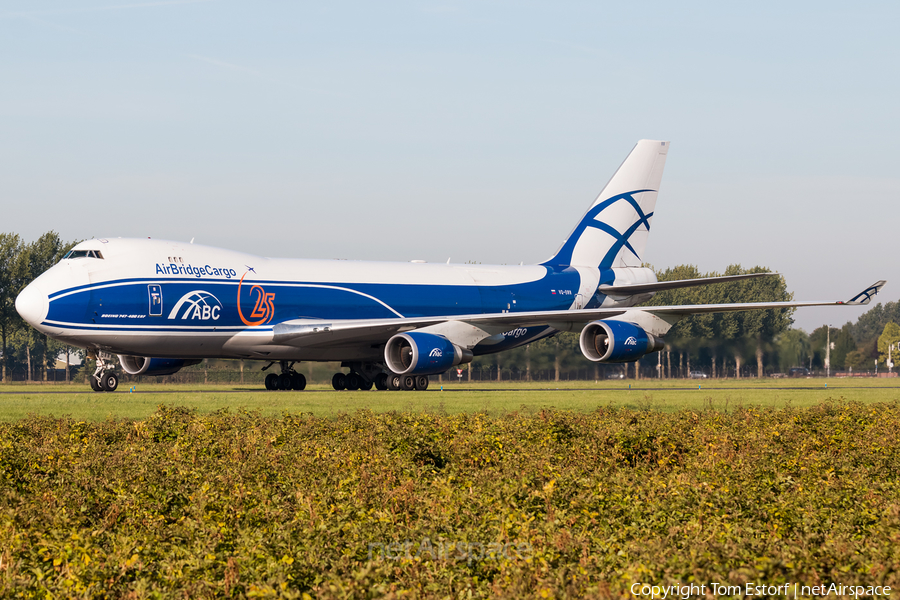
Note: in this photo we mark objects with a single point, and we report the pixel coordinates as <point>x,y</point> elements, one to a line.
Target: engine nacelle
<point>145,365</point>
<point>419,353</point>
<point>617,341</point>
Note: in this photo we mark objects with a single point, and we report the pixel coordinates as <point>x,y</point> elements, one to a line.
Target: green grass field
<point>18,401</point>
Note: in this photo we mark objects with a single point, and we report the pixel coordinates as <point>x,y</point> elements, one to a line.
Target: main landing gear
<point>381,381</point>
<point>351,381</point>
<point>362,376</point>
<point>288,380</point>
<point>407,382</point>
<point>103,378</point>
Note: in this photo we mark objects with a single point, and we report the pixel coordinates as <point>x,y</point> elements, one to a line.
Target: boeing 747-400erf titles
<point>162,305</point>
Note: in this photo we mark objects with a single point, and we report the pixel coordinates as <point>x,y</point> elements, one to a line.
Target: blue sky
<point>479,131</point>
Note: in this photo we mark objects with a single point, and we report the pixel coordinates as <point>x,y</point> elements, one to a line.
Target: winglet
<point>865,296</point>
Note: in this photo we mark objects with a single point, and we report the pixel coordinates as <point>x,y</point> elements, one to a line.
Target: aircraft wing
<point>311,332</point>
<point>629,289</point>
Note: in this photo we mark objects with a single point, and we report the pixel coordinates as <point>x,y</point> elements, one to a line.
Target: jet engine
<point>419,353</point>
<point>617,341</point>
<point>144,365</point>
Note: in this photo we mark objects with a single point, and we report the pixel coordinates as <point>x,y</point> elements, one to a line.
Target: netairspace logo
<point>631,341</point>
<point>198,305</point>
<point>436,353</point>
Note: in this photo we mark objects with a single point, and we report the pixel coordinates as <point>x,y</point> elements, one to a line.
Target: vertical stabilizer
<point>613,232</point>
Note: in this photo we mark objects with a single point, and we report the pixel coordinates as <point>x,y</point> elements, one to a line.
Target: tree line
<point>24,349</point>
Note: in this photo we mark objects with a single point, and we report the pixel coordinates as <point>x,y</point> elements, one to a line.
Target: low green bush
<point>545,504</point>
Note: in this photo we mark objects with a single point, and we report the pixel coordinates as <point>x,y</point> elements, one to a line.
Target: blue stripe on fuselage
<point>127,303</point>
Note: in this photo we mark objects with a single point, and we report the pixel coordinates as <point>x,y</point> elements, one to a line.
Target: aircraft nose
<point>32,303</point>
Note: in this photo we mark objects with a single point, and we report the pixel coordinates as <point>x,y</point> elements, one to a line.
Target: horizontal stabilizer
<point>657,286</point>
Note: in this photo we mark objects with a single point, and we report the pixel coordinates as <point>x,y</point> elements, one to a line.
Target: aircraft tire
<point>407,382</point>
<point>422,382</point>
<point>381,382</point>
<point>95,385</point>
<point>393,382</point>
<point>284,381</point>
<point>339,381</point>
<point>366,385</point>
<point>298,382</point>
<point>352,382</point>
<point>109,381</point>
<point>271,381</point>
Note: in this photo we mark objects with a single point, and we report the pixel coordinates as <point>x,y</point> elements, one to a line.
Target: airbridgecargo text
<point>204,271</point>
<point>747,590</point>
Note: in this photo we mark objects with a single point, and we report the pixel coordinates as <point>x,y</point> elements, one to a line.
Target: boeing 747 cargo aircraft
<point>161,305</point>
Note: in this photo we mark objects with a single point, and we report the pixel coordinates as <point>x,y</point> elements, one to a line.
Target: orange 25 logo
<point>264,309</point>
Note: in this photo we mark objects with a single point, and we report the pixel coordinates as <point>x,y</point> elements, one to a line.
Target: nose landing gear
<point>103,378</point>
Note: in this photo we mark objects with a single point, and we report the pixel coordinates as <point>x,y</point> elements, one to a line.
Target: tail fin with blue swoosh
<point>613,232</point>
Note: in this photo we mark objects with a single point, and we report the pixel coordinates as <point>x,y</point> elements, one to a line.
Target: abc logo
<point>198,305</point>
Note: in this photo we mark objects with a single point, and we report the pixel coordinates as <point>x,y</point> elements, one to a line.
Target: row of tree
<point>727,334</point>
<point>23,348</point>
<point>852,348</point>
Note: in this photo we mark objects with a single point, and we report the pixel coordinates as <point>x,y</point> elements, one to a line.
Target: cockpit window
<point>83,254</point>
